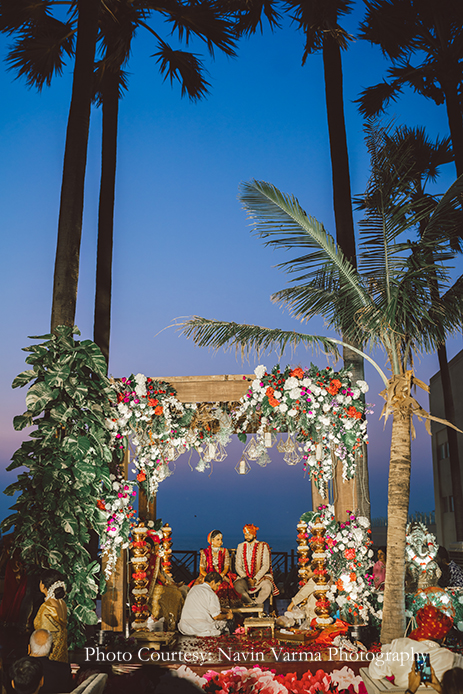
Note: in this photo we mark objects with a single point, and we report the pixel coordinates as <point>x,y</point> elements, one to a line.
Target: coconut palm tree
<point>386,302</point>
<point>422,158</point>
<point>424,42</point>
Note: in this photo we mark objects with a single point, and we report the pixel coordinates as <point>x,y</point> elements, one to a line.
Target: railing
<point>185,565</point>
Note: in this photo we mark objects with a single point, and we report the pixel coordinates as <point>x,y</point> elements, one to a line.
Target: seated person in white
<point>397,657</point>
<point>201,613</point>
<point>305,593</point>
<point>254,568</point>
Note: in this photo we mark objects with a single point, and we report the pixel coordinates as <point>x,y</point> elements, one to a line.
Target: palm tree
<point>421,160</point>
<point>118,24</point>
<point>424,42</point>
<point>43,42</point>
<point>36,28</point>
<point>319,21</point>
<point>386,302</point>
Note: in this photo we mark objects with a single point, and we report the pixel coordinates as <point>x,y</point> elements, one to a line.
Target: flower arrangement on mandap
<point>349,558</point>
<point>321,408</point>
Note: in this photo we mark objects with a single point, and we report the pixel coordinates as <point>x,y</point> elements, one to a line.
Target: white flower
<point>112,477</point>
<point>306,382</point>
<point>325,421</point>
<point>116,486</point>
<point>380,597</point>
<point>291,383</point>
<point>326,407</point>
<point>260,371</point>
<point>363,521</point>
<point>295,393</point>
<point>256,384</point>
<point>277,394</point>
<point>363,385</point>
<point>356,393</point>
<point>283,408</point>
<point>291,413</point>
<point>370,553</point>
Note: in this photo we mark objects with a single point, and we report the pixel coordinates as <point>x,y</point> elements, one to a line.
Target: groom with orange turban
<point>254,568</point>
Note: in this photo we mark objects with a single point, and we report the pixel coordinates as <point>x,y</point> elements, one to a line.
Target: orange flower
<point>269,392</point>
<point>352,412</point>
<point>298,373</point>
<point>152,402</point>
<point>339,584</point>
<point>141,477</point>
<point>334,386</point>
<point>353,576</point>
<point>273,402</point>
<point>158,410</point>
<point>101,505</point>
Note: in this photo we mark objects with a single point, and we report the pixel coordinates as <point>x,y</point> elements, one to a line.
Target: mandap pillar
<point>114,599</point>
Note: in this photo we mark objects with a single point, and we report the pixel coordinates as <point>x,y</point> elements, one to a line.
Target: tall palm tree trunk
<point>449,414</point>
<point>345,235</point>
<point>393,625</point>
<point>454,116</point>
<point>102,315</point>
<point>75,159</point>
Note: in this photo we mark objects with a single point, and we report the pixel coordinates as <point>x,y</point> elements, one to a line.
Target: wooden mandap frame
<point>202,389</point>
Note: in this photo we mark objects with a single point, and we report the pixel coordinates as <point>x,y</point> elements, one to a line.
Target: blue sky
<point>183,245</point>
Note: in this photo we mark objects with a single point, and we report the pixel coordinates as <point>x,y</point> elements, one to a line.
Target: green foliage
<point>66,461</point>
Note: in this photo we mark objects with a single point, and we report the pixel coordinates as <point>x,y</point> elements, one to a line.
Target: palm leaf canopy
<point>392,306</point>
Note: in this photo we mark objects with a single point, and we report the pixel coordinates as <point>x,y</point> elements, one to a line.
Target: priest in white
<point>254,568</point>
<point>201,613</point>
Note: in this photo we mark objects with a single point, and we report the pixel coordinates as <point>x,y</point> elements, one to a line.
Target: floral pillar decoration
<point>321,575</point>
<point>303,551</point>
<point>140,560</point>
<point>166,549</point>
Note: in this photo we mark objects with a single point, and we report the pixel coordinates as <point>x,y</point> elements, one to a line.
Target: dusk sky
<point>183,245</point>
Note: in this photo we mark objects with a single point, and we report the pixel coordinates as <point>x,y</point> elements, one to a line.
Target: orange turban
<point>432,624</point>
<point>250,529</point>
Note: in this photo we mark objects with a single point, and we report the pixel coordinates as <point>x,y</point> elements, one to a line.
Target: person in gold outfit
<point>52,614</point>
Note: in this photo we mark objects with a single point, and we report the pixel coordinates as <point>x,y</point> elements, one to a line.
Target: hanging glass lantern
<point>252,450</point>
<point>269,439</point>
<point>242,467</point>
<point>220,454</point>
<point>264,459</point>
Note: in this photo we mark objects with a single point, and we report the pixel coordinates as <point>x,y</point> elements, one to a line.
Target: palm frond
<point>246,338</point>
<point>374,100</point>
<point>391,25</point>
<point>446,222</point>
<point>206,20</point>
<point>184,67</point>
<point>249,15</point>
<point>16,14</point>
<point>280,220</point>
<point>38,54</point>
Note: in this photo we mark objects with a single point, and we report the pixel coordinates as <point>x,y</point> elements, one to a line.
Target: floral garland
<point>320,406</point>
<point>350,559</point>
<point>162,427</point>
<point>116,507</point>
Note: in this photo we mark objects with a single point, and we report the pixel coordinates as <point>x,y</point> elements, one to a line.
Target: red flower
<point>152,402</point>
<point>349,553</point>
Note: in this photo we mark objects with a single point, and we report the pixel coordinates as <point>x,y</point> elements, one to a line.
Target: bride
<point>217,558</point>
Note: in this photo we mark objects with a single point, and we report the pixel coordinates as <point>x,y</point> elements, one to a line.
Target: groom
<point>254,568</point>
